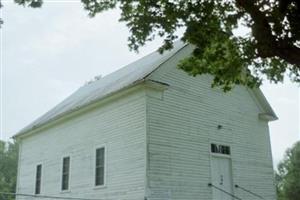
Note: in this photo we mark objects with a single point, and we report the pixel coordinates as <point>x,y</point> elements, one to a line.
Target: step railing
<point>224,191</point>
<point>248,191</point>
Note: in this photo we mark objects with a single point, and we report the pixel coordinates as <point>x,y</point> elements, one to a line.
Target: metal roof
<point>116,81</point>
<point>105,86</point>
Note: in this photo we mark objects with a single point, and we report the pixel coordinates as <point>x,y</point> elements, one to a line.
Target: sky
<point>46,54</point>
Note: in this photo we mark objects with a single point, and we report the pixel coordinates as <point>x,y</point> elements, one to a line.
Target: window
<point>38,178</point>
<point>99,168</point>
<point>221,149</point>
<point>65,173</point>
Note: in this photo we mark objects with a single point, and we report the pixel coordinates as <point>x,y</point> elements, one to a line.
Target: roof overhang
<point>267,113</point>
<point>144,83</point>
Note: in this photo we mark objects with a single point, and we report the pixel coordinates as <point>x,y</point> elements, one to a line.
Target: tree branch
<point>267,45</point>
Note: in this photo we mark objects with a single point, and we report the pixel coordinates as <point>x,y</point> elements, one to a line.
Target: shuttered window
<point>65,173</point>
<point>38,179</point>
<point>99,168</point>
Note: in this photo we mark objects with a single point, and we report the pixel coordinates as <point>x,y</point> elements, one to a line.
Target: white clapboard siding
<point>157,131</point>
<point>119,125</point>
<point>182,124</point>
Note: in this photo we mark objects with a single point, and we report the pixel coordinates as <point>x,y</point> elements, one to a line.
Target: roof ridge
<point>111,83</point>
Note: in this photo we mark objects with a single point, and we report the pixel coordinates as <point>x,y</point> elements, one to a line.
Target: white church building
<point>149,131</point>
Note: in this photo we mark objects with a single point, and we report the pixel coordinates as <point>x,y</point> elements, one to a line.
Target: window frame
<point>94,166</point>
<point>220,154</point>
<point>69,176</point>
<point>40,179</point>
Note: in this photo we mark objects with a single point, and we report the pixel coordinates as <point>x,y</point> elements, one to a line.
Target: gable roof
<point>116,81</point>
<point>105,86</point>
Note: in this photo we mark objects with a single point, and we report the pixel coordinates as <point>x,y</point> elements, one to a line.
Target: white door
<point>221,178</point>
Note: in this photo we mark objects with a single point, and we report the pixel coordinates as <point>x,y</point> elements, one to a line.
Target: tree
<point>288,175</point>
<point>8,168</point>
<point>269,51</point>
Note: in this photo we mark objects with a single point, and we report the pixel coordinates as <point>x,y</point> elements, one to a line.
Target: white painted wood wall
<point>157,143</point>
<point>119,124</point>
<point>182,125</point>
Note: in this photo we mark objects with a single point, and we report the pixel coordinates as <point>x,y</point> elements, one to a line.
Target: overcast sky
<point>46,54</point>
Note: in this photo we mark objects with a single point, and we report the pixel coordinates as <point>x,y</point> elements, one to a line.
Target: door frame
<point>216,155</point>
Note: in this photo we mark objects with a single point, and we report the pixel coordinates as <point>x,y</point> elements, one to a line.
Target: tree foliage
<point>270,50</point>
<point>288,175</point>
<point>8,168</point>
